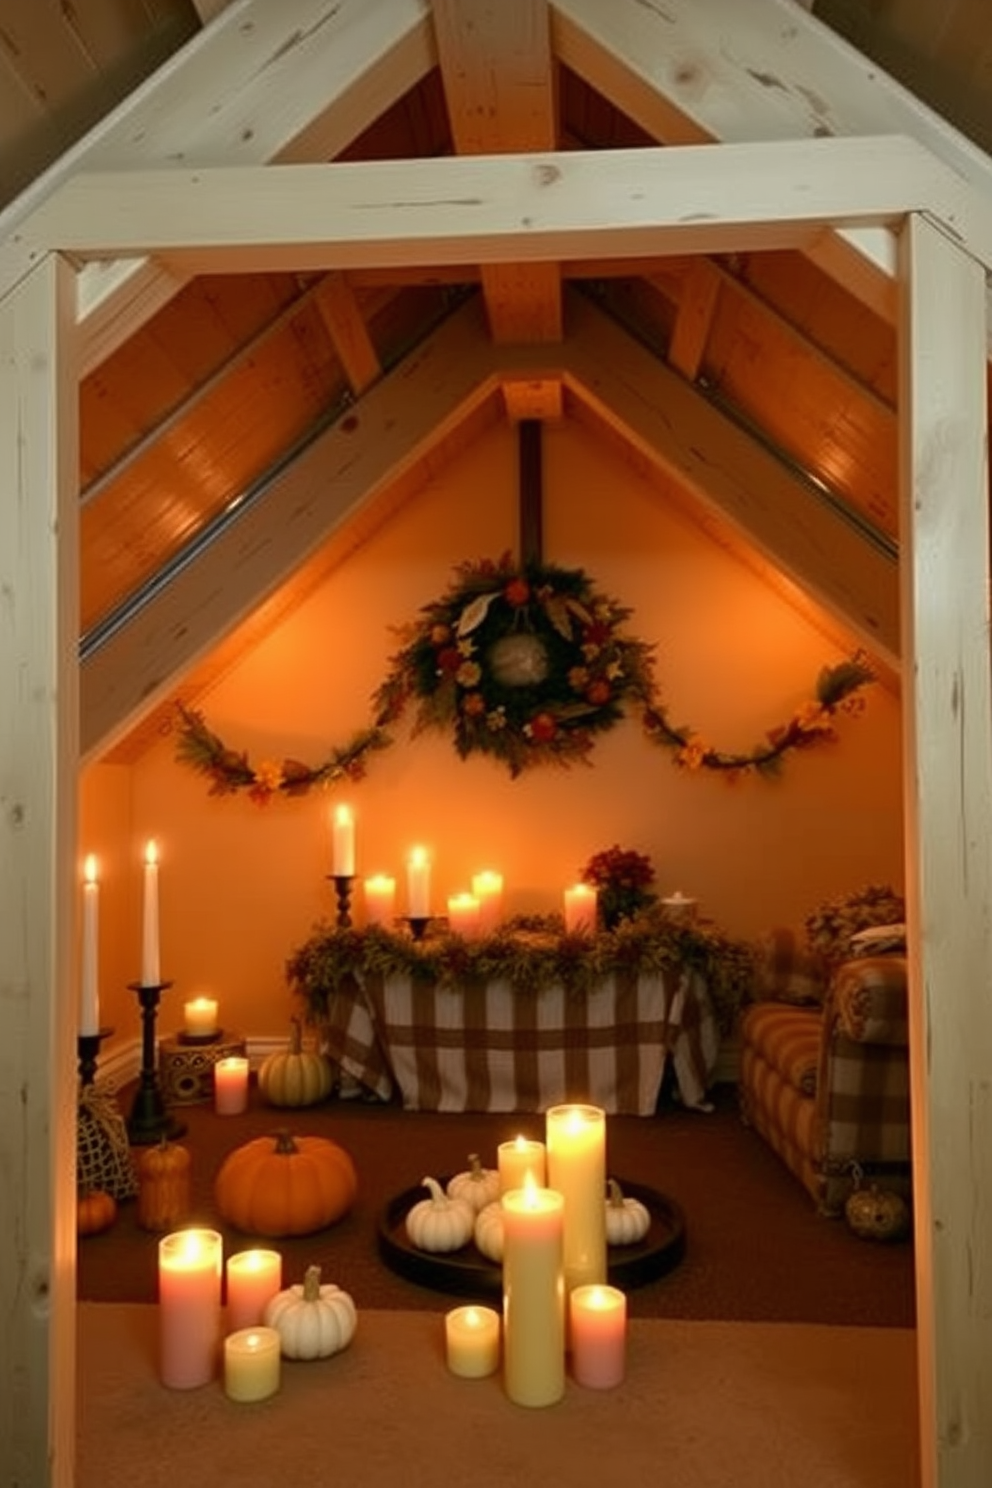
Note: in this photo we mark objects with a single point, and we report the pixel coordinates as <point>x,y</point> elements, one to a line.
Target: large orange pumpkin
<point>285,1185</point>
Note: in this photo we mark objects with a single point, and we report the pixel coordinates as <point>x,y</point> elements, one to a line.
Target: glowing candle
<point>418,884</point>
<point>200,1017</point>
<point>472,1341</point>
<point>488,889</point>
<point>597,1333</point>
<point>380,899</point>
<point>89,997</point>
<point>576,1141</point>
<point>680,907</point>
<point>251,1364</point>
<point>463,914</point>
<point>189,1286</point>
<point>343,842</point>
<point>580,909</point>
<point>253,1278</point>
<point>231,1086</point>
<point>514,1160</point>
<point>150,970</point>
<point>533,1295</point>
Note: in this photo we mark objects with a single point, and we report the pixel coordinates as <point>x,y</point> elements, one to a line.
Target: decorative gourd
<point>489,1231</point>
<point>295,1076</point>
<point>627,1219</point>
<point>478,1185</point>
<point>163,1186</point>
<point>285,1185</point>
<point>96,1211</point>
<point>876,1214</point>
<point>440,1223</point>
<point>312,1321</point>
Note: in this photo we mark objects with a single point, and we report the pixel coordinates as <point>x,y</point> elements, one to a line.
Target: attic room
<point>290,449</point>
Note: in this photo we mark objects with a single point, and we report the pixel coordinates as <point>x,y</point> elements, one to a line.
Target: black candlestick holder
<point>343,883</point>
<point>418,925</point>
<point>149,1120</point>
<point>88,1046</point>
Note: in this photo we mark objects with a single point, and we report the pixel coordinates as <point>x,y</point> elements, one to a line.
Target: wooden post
<point>39,630</point>
<point>944,531</point>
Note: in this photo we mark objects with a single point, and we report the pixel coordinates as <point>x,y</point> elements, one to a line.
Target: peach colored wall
<point>242,885</point>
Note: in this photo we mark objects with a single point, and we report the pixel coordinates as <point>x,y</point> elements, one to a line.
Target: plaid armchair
<point>827,1085</point>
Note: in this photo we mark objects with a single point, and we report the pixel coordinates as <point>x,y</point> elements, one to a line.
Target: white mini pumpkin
<point>627,1219</point>
<point>439,1223</point>
<point>489,1231</point>
<point>478,1185</point>
<point>313,1321</point>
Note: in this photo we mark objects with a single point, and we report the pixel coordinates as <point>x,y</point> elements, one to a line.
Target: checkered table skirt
<point>494,1049</point>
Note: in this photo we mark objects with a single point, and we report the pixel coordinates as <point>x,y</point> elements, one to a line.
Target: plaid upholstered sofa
<point>826,1082</point>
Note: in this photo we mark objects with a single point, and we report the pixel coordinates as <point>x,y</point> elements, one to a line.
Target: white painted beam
<point>38,879</point>
<point>409,410</point>
<point>495,209</point>
<point>948,783</point>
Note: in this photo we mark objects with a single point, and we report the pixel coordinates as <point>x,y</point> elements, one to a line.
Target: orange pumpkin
<point>285,1185</point>
<point>163,1186</point>
<point>96,1211</point>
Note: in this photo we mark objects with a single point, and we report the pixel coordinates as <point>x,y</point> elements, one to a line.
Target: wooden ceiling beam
<point>349,334</point>
<point>497,71</point>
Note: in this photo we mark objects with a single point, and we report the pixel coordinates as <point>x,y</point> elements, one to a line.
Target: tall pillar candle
<point>189,1294</point>
<point>517,1158</point>
<point>253,1279</point>
<point>151,975</point>
<point>597,1335</point>
<point>89,996</point>
<point>231,1085</point>
<point>533,1296</point>
<point>380,899</point>
<point>576,1143</point>
<point>343,842</point>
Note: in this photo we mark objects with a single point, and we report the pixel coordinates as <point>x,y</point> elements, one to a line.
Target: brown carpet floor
<point>756,1250</point>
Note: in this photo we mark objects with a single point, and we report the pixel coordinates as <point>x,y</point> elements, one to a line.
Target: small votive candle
<point>231,1085</point>
<point>597,1331</point>
<point>380,899</point>
<point>472,1341</point>
<point>200,1017</point>
<point>580,909</point>
<point>189,1286</point>
<point>253,1278</point>
<point>463,914</point>
<point>251,1364</point>
<point>514,1160</point>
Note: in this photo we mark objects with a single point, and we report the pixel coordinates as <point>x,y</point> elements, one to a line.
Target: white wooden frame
<point>945,565</point>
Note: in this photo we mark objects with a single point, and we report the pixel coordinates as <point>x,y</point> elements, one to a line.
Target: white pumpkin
<point>313,1321</point>
<point>489,1231</point>
<point>627,1219</point>
<point>478,1185</point>
<point>440,1223</point>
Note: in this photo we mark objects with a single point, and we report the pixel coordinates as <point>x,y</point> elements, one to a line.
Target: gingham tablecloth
<point>495,1049</point>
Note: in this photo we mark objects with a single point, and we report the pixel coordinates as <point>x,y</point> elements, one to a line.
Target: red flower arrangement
<point>623,879</point>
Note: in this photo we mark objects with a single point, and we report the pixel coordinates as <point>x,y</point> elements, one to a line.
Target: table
<point>493,1048</point>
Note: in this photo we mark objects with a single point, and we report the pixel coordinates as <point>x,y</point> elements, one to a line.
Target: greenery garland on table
<point>527,664</point>
<point>531,953</point>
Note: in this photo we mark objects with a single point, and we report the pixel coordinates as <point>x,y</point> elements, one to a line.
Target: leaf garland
<point>526,664</point>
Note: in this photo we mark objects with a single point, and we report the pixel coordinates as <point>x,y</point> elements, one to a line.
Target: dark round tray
<point>467,1272</point>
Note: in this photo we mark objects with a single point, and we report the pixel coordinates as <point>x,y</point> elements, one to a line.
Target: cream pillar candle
<point>231,1085</point>
<point>380,899</point>
<point>515,1159</point>
<point>251,1364</point>
<point>576,1142</point>
<point>463,914</point>
<point>253,1278</point>
<point>343,842</point>
<point>89,995</point>
<point>533,1296</point>
<point>189,1288</point>
<point>597,1335</point>
<point>472,1341</point>
<point>580,909</point>
<point>200,1017</point>
<point>151,973</point>
<point>488,889</point>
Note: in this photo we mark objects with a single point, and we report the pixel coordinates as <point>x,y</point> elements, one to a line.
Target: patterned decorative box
<point>186,1067</point>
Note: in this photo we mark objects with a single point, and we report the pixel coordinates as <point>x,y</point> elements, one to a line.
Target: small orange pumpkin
<point>163,1186</point>
<point>285,1185</point>
<point>96,1211</point>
